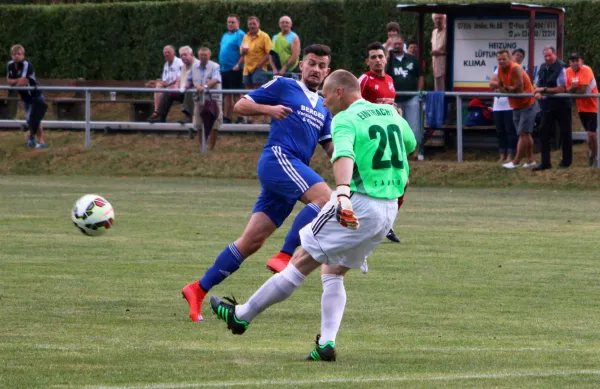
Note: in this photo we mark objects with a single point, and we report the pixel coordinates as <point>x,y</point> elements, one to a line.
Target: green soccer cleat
<point>226,312</point>
<point>324,352</point>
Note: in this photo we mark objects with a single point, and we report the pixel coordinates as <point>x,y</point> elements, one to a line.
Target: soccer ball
<point>93,215</point>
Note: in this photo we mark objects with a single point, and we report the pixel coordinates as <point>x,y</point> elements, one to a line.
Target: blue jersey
<point>308,124</point>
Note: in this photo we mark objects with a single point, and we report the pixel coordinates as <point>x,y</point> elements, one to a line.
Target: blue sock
<point>292,240</point>
<point>226,263</point>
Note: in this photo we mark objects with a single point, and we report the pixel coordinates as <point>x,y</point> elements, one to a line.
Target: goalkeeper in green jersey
<point>371,143</point>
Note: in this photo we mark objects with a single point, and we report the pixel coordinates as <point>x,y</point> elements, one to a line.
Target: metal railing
<point>88,124</point>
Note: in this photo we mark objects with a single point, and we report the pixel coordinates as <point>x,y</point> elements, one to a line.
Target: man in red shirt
<point>378,87</point>
<point>580,79</point>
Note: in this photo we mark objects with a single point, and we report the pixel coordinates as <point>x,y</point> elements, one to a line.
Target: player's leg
<point>277,289</point>
<point>315,197</point>
<point>40,134</point>
<point>259,228</point>
<point>341,249</point>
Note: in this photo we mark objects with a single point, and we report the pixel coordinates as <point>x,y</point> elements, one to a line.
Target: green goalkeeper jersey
<point>378,139</point>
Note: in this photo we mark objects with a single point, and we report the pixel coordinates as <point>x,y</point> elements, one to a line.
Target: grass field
<point>489,289</point>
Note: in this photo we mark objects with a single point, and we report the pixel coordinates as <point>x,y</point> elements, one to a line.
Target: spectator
<point>580,79</point>
<point>378,87</point>
<point>170,75</point>
<point>438,51</point>
<point>552,79</point>
<point>406,73</point>
<point>413,49</point>
<point>285,54</point>
<point>21,73</point>
<point>513,79</point>
<point>231,63</point>
<point>256,47</point>
<point>187,57</point>
<point>503,116</point>
<point>205,76</point>
<point>393,29</point>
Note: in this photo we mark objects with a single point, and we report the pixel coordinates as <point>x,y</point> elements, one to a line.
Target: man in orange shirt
<point>513,79</point>
<point>580,79</point>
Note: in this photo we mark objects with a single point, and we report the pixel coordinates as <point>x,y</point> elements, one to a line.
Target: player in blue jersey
<point>300,121</point>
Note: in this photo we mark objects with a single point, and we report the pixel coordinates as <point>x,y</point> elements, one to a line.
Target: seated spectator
<point>21,73</point>
<point>285,53</point>
<point>580,79</point>
<point>256,47</point>
<point>187,57</point>
<point>412,48</point>
<point>170,75</point>
<point>231,63</point>
<point>204,77</point>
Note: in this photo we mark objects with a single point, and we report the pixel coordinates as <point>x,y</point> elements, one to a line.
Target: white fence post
<point>459,129</point>
<point>88,115</point>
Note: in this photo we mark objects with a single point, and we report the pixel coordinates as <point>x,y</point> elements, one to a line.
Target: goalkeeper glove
<point>344,213</point>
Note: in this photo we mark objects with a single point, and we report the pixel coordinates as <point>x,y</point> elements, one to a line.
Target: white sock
<point>275,290</point>
<point>333,303</point>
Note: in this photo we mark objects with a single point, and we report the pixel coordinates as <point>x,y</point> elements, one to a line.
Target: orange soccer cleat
<point>194,295</point>
<point>278,262</point>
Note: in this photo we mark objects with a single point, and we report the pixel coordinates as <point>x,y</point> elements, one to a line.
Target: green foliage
<point>124,40</point>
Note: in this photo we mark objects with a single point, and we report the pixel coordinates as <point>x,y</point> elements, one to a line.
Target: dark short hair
<point>393,26</point>
<point>503,51</point>
<point>519,51</point>
<point>254,18</point>
<point>233,16</point>
<point>318,50</point>
<point>412,42</point>
<point>374,46</point>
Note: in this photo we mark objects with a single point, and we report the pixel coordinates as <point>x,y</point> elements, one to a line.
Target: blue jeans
<point>27,106</point>
<point>411,111</point>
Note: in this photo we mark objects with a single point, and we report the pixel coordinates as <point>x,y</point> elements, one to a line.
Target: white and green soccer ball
<point>93,215</point>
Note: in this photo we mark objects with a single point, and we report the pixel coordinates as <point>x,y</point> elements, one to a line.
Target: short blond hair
<point>186,48</point>
<point>17,48</point>
<point>342,79</point>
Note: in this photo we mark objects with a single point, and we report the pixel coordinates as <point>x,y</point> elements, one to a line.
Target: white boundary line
<point>279,349</point>
<point>532,374</point>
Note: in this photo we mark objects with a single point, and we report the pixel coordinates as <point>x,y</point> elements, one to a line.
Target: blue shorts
<point>284,179</point>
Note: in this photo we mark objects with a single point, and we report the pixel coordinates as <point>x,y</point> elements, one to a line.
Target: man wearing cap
<point>551,80</point>
<point>580,79</point>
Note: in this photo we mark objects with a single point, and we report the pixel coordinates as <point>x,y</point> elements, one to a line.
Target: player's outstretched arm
<point>246,107</point>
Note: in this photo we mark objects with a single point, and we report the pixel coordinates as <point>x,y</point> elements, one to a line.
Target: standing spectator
<point>513,79</point>
<point>393,29</point>
<point>284,57</point>
<point>205,76</point>
<point>378,87</point>
<point>187,57</point>
<point>580,79</point>
<point>552,79</point>
<point>255,49</point>
<point>407,75</point>
<point>21,73</point>
<point>231,63</point>
<point>503,116</point>
<point>438,51</point>
<point>170,75</point>
<point>413,49</point>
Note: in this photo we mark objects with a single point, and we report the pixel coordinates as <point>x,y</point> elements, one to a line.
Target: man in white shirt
<point>170,75</point>
<point>438,51</point>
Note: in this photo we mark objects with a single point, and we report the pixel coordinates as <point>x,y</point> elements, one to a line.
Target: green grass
<point>489,289</point>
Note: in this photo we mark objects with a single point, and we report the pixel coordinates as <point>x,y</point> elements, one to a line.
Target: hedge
<point>124,41</point>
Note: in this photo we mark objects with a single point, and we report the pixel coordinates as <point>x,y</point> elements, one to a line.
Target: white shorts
<point>331,244</point>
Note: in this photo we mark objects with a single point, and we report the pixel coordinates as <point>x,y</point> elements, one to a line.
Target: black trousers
<point>560,114</point>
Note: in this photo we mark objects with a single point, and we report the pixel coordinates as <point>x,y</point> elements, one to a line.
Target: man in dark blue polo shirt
<point>21,73</point>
